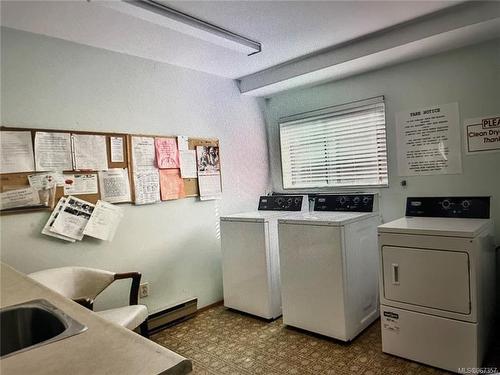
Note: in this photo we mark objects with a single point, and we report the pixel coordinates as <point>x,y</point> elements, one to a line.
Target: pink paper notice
<point>171,184</point>
<point>167,154</point>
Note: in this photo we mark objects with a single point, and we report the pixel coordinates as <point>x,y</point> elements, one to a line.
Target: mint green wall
<point>51,83</point>
<point>469,76</point>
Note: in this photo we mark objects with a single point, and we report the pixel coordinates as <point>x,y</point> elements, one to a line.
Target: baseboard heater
<point>171,315</point>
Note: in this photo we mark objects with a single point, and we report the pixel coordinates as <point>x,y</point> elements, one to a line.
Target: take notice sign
<point>482,134</point>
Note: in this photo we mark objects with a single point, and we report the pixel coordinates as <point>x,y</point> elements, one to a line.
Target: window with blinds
<point>340,146</point>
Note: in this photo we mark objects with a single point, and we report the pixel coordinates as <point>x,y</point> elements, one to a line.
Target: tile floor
<point>221,341</point>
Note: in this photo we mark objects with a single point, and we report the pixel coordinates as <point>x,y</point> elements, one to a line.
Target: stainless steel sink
<point>32,324</point>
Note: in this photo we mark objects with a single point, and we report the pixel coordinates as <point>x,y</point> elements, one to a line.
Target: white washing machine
<point>250,258</point>
<point>437,281</point>
<point>329,263</point>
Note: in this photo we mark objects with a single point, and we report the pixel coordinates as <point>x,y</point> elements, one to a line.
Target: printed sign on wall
<point>482,134</point>
<point>428,141</point>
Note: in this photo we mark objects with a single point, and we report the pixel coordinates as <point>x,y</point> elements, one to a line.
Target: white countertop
<point>105,348</point>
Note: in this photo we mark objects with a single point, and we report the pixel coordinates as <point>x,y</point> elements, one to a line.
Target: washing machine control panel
<point>460,207</point>
<point>344,202</point>
<point>282,203</point>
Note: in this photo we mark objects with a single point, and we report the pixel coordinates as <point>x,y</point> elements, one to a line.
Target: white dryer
<point>437,277</point>
<point>250,258</point>
<point>329,263</point>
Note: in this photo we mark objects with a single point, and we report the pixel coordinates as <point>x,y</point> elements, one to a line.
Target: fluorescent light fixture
<point>162,15</point>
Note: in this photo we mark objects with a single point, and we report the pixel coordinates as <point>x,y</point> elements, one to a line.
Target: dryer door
<point>431,278</point>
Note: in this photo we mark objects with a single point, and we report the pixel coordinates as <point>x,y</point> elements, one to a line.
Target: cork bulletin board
<point>11,181</point>
<point>190,184</point>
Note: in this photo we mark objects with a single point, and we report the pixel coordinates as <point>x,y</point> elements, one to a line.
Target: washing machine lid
<point>272,207</point>
<point>436,226</point>
<point>332,218</point>
<point>255,216</point>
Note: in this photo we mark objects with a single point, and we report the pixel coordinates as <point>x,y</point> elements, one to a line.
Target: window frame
<point>326,111</point>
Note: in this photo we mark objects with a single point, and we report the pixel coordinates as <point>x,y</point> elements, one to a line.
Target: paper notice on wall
<point>143,153</point>
<point>210,187</point>
<point>24,197</point>
<point>116,145</point>
<point>482,134</point>
<point>114,185</point>
<point>53,151</point>
<point>46,180</point>
<point>428,141</point>
<point>89,152</point>
<point>59,177</point>
<point>73,218</point>
<point>167,155</point>
<point>182,142</point>
<point>209,179</point>
<point>78,184</point>
<point>208,160</point>
<point>187,161</point>
<point>171,184</point>
<point>16,152</point>
<point>104,221</point>
<point>147,186</point>
<point>47,228</point>
<point>41,181</point>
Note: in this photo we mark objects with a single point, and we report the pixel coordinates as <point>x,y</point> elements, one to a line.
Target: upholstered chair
<point>83,285</point>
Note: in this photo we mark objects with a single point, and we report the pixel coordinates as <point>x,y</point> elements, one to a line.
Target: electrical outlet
<point>144,290</point>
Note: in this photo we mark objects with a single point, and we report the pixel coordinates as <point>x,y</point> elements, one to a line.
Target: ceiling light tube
<point>162,15</point>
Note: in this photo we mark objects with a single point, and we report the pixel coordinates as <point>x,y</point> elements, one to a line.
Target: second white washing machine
<point>250,259</point>
<point>329,263</point>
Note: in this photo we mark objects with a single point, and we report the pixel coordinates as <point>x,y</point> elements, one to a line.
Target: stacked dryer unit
<point>250,255</point>
<point>437,278</point>
<point>329,264</point>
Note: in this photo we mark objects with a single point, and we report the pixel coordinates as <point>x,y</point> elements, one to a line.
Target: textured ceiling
<point>286,29</point>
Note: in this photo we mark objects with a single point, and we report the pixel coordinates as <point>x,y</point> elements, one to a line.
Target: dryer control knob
<point>356,199</point>
<point>446,204</point>
<point>466,204</point>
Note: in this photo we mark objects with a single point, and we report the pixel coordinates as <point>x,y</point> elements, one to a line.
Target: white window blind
<point>340,146</point>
